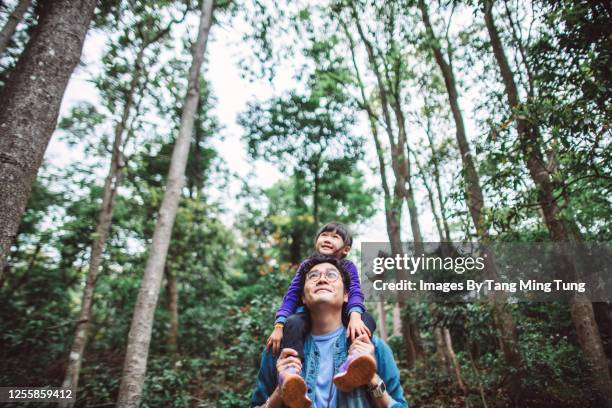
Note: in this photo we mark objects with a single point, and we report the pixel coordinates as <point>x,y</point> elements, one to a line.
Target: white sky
<point>232,93</point>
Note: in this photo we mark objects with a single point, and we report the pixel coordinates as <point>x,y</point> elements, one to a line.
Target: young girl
<point>292,322</point>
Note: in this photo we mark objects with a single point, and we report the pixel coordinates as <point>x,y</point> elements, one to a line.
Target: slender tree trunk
<point>503,318</point>
<point>113,179</point>
<point>30,105</point>
<point>401,172</point>
<point>172,306</point>
<point>382,319</point>
<point>441,352</point>
<point>472,182</point>
<point>11,25</point>
<point>392,210</point>
<point>139,337</point>
<point>111,185</point>
<point>515,30</point>
<point>436,171</point>
<point>531,146</point>
<point>315,193</point>
<point>452,357</point>
<point>430,196</point>
<point>197,157</point>
<point>295,255</point>
<point>397,320</point>
<point>478,378</point>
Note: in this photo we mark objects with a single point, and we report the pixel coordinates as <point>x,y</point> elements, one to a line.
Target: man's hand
<point>274,340</point>
<point>288,358</point>
<point>357,327</point>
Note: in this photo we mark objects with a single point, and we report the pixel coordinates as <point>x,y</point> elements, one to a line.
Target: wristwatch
<point>378,390</point>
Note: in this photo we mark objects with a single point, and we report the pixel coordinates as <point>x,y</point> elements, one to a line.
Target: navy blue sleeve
<point>266,379</point>
<point>389,373</point>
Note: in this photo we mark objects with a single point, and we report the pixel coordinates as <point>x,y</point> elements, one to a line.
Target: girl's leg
<point>296,328</point>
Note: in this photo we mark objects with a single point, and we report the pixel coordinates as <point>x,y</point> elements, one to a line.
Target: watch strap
<point>378,390</point>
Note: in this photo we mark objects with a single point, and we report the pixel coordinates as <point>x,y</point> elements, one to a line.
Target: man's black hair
<point>319,259</point>
<point>340,229</point>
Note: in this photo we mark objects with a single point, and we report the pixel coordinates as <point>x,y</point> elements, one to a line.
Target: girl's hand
<point>357,327</point>
<point>288,358</point>
<point>274,340</point>
<point>363,345</point>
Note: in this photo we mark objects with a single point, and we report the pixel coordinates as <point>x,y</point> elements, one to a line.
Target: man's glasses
<point>331,275</point>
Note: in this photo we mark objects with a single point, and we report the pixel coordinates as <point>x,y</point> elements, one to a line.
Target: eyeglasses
<point>331,275</point>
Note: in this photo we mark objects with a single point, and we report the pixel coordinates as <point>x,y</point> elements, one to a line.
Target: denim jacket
<point>358,398</point>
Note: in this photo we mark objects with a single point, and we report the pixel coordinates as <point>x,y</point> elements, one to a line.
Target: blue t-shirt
<point>325,390</point>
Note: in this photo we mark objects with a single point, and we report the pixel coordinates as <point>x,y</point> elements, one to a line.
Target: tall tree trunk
<point>315,192</point>
<point>472,182</point>
<point>440,350</point>
<point>392,210</point>
<point>397,320</point>
<point>172,306</point>
<point>452,357</point>
<point>401,172</point>
<point>31,102</point>
<point>198,178</point>
<point>531,147</point>
<point>139,337</point>
<point>382,319</point>
<point>502,316</point>
<point>111,184</point>
<point>436,171</point>
<point>11,24</point>
<point>430,196</point>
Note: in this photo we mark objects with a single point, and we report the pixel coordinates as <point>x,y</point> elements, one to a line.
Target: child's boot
<point>293,389</point>
<point>357,370</point>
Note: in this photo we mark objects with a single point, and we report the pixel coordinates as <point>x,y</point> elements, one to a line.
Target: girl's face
<point>331,243</point>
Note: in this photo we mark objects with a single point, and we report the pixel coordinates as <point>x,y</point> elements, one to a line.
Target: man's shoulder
<point>378,341</point>
<point>381,347</point>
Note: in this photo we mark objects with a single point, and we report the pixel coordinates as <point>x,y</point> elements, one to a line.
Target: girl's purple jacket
<point>292,299</point>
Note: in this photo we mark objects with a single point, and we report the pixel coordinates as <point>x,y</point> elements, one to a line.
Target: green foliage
<point>231,276</point>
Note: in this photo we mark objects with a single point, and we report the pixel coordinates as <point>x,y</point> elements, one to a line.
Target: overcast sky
<point>232,93</point>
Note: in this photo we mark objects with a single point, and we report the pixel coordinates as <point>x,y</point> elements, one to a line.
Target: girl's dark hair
<point>319,259</point>
<point>340,229</point>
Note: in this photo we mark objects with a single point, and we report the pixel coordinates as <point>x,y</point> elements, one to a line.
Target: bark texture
<point>172,306</point>
<point>11,24</point>
<point>382,319</point>
<point>438,184</point>
<point>390,102</point>
<point>139,337</point>
<point>504,321</point>
<point>111,185</point>
<point>30,105</point>
<point>531,147</point>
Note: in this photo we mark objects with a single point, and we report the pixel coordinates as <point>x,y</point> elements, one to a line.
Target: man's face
<point>331,243</point>
<point>324,285</point>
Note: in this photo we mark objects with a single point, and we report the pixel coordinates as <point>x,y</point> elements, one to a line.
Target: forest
<point>165,166</point>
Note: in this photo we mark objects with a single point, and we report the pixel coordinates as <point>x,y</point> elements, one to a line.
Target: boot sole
<point>294,392</point>
<point>360,372</point>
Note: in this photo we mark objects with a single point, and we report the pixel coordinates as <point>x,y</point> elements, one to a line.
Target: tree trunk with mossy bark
<point>531,148</point>
<point>30,105</point>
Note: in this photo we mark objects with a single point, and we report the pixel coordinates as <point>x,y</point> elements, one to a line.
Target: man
<point>324,291</point>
